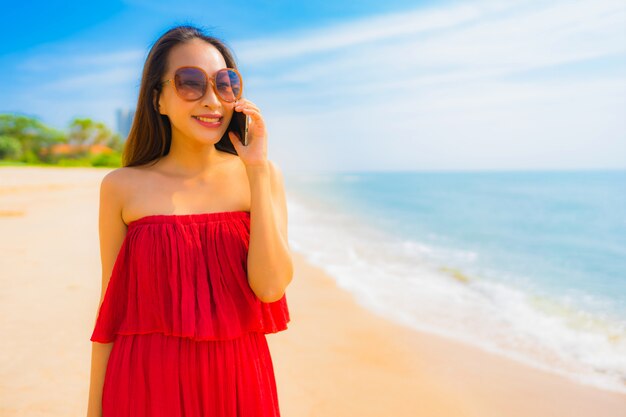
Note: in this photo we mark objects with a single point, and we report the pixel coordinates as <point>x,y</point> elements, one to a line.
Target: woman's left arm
<point>270,267</point>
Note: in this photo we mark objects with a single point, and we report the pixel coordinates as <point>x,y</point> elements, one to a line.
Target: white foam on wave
<point>410,283</point>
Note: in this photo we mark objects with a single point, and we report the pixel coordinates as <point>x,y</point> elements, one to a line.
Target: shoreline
<point>408,372</point>
<point>337,358</point>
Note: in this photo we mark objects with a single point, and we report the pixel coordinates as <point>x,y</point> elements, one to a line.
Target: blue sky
<point>472,85</point>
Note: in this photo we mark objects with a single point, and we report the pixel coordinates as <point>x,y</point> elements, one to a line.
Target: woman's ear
<point>155,100</point>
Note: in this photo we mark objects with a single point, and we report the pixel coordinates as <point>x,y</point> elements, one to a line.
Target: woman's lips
<point>208,124</point>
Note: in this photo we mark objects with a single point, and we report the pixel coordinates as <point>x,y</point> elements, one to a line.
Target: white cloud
<point>94,80</point>
<point>463,94</point>
<point>487,47</point>
<point>68,60</point>
<point>390,26</point>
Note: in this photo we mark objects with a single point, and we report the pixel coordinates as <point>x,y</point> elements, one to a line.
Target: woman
<point>193,237</point>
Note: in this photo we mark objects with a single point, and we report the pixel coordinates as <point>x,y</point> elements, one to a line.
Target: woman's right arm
<point>112,231</point>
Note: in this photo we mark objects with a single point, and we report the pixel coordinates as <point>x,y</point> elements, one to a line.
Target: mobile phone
<point>239,125</point>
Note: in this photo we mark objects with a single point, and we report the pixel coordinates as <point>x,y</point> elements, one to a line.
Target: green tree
<point>27,139</point>
<point>115,142</point>
<point>10,147</point>
<point>30,132</point>
<point>88,132</point>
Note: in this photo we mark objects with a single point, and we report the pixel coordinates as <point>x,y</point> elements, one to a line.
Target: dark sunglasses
<point>191,83</point>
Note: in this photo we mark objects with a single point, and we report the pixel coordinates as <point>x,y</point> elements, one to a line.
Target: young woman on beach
<point>193,243</point>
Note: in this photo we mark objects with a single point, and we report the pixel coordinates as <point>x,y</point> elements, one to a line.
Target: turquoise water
<point>530,264</point>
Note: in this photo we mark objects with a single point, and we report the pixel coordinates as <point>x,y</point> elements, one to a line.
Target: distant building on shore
<point>124,121</point>
<point>67,149</point>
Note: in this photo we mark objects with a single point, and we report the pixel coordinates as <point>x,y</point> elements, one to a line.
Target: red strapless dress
<point>189,332</point>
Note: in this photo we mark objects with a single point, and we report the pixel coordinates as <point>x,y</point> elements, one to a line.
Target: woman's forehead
<point>196,54</point>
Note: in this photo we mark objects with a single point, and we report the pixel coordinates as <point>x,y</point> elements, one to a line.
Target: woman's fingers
<point>243,103</point>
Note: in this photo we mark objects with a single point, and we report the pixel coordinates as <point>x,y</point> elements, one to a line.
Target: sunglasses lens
<point>228,84</point>
<point>190,83</point>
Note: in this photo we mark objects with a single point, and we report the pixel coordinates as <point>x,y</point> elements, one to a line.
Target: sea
<point>529,265</point>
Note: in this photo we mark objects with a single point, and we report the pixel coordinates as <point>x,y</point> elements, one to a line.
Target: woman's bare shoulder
<point>125,178</point>
<point>120,179</point>
<point>122,183</point>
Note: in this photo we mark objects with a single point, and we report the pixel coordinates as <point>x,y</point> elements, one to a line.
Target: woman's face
<point>181,113</point>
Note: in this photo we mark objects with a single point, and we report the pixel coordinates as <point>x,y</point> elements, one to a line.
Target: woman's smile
<point>208,122</point>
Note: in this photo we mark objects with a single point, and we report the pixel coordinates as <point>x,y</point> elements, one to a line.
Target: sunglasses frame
<point>211,80</point>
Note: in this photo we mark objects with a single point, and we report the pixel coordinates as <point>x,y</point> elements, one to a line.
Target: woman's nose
<point>210,97</point>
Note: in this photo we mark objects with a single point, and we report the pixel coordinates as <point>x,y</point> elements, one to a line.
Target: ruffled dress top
<point>188,331</point>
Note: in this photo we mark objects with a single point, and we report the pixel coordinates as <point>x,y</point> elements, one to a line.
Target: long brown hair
<point>150,134</point>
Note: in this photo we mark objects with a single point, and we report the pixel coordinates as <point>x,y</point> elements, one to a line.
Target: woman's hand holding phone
<point>253,148</point>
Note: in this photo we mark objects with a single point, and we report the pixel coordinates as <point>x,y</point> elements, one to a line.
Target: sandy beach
<point>336,359</point>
